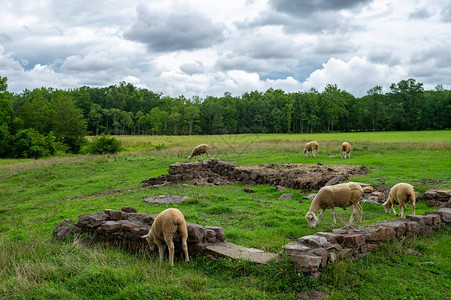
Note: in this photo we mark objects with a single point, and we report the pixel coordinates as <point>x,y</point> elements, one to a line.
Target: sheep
<point>345,149</point>
<point>341,195</point>
<point>400,193</point>
<point>168,225</point>
<point>311,146</point>
<point>199,150</point>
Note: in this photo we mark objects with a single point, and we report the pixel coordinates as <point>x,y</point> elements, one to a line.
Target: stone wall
<point>439,198</point>
<point>306,177</point>
<point>125,227</point>
<point>311,253</point>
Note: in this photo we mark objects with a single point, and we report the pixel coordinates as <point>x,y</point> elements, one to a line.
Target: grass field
<point>35,195</point>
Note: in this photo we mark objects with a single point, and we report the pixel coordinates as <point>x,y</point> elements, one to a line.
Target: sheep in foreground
<point>400,193</point>
<point>345,149</point>
<point>342,195</point>
<point>199,150</point>
<point>311,146</point>
<point>168,225</point>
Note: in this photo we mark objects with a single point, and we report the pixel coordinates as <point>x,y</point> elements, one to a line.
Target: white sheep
<point>168,225</point>
<point>342,195</point>
<point>311,146</point>
<point>400,193</point>
<point>199,150</point>
<point>345,149</point>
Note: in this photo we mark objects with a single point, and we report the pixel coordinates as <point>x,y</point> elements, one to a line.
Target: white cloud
<point>357,75</point>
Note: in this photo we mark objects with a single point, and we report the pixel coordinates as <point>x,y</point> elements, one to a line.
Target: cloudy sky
<point>199,47</point>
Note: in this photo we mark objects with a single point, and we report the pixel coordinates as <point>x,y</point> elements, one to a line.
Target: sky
<point>206,48</point>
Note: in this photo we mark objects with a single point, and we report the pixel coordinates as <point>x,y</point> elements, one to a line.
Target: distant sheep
<point>345,149</point>
<point>311,146</point>
<point>400,193</point>
<point>342,195</point>
<point>199,150</point>
<point>168,225</point>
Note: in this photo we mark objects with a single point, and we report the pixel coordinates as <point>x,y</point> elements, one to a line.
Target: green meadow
<point>36,195</point>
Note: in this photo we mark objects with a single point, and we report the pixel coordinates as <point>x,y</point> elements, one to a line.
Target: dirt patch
<point>305,177</point>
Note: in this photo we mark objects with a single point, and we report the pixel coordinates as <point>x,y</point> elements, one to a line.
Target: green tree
<point>157,120</point>
<point>69,126</point>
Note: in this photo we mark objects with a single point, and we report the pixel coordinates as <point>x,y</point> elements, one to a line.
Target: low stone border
<point>125,227</point>
<point>311,253</point>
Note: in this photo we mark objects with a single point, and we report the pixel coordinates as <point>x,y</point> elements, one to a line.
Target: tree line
<point>68,115</point>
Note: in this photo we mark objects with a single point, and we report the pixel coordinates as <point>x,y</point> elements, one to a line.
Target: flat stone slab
<point>166,199</point>
<point>230,250</point>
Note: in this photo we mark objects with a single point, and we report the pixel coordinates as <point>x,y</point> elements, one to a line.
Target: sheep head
<point>312,219</point>
<point>387,207</point>
<point>150,241</point>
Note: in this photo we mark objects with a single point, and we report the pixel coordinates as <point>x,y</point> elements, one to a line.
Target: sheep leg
<point>161,248</point>
<point>403,209</point>
<point>352,214</point>
<point>394,211</point>
<point>321,214</point>
<point>185,250</point>
<point>333,216</point>
<point>360,210</point>
<point>170,243</point>
<point>413,208</point>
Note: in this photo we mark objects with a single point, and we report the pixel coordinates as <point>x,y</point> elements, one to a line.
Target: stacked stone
<point>311,253</point>
<point>125,227</point>
<point>440,198</point>
<point>213,171</point>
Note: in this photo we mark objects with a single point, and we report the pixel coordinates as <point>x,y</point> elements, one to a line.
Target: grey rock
<point>286,197</point>
<point>310,196</point>
<point>166,199</point>
<point>230,250</point>
<point>313,240</point>
<point>335,180</point>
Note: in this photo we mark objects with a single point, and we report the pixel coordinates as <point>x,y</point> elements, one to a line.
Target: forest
<point>58,120</point>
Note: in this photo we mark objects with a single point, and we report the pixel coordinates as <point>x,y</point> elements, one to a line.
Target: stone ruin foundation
<point>305,177</point>
<point>309,253</point>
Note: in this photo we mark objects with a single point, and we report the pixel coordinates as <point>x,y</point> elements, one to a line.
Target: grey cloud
<point>92,63</point>
<point>306,8</point>
<point>334,45</point>
<point>262,46</point>
<point>193,68</point>
<point>4,38</point>
<point>420,14</point>
<point>177,30</point>
<point>438,56</point>
<point>446,14</point>
<point>384,57</point>
<point>324,22</point>
<point>253,65</point>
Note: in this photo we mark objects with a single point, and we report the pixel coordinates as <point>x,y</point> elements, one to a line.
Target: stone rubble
<point>439,198</point>
<point>305,177</point>
<point>311,253</point>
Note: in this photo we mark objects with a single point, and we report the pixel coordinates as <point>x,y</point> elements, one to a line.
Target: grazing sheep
<point>199,150</point>
<point>341,195</point>
<point>311,146</point>
<point>168,225</point>
<point>400,193</point>
<point>345,149</point>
